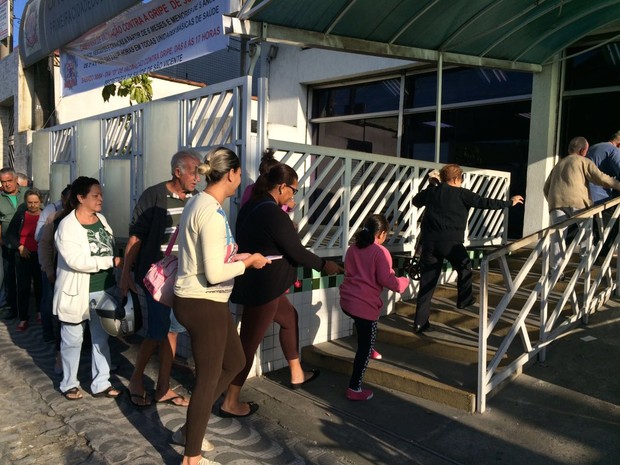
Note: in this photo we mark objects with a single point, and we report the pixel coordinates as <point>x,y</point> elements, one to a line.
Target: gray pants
<point>558,241</point>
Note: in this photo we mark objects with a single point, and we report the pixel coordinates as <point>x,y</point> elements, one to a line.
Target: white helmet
<point>119,318</point>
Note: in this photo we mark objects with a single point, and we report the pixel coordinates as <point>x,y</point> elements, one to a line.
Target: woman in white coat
<point>86,261</point>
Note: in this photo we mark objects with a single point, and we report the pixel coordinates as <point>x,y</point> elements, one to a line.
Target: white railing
<point>553,301</point>
<point>61,143</point>
<point>217,115</point>
<point>340,188</point>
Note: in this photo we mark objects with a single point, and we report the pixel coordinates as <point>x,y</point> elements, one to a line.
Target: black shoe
<point>467,303</point>
<point>419,329</point>
<point>225,414</point>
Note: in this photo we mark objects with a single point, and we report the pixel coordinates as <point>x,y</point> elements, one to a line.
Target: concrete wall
<point>542,147</point>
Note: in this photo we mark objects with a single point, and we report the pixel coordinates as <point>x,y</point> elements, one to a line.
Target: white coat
<point>75,264</point>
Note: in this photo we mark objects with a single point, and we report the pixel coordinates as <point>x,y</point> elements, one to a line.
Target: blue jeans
<point>71,336</point>
<point>160,320</point>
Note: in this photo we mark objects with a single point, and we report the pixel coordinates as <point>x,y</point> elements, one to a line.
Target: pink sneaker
<point>375,355</point>
<point>362,394</point>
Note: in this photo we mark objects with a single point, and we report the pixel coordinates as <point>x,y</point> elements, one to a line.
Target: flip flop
<point>108,393</point>
<point>141,398</point>
<point>73,394</point>
<point>171,401</point>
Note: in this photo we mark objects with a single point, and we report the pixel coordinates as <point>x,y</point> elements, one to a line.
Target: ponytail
<point>373,226</point>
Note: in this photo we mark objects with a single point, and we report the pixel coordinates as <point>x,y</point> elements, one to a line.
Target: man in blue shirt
<point>606,157</point>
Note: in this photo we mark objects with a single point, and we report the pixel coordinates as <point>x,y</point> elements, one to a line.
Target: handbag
<point>159,279</point>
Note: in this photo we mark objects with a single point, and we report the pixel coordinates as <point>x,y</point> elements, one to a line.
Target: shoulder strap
<point>173,239</point>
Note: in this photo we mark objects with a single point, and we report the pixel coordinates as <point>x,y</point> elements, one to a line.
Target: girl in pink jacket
<point>368,269</point>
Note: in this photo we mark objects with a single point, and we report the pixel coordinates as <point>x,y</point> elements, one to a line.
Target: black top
<point>263,227</point>
<point>447,209</point>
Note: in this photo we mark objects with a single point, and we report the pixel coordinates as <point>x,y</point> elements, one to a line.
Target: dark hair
<point>65,192</point>
<point>218,163</point>
<point>33,191</point>
<point>373,225</point>
<point>267,162</point>
<point>278,174</point>
<point>81,186</point>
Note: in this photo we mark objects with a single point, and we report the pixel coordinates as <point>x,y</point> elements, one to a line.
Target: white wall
<point>89,103</point>
<point>294,69</point>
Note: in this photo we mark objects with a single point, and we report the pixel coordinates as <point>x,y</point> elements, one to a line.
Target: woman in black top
<point>442,236</point>
<point>263,227</point>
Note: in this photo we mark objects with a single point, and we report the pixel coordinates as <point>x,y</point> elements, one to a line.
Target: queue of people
<point>253,265</point>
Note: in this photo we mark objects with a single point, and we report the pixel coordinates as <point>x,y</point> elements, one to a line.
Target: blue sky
<point>18,9</point>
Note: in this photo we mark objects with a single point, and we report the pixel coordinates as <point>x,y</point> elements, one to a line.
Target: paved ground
<point>563,411</point>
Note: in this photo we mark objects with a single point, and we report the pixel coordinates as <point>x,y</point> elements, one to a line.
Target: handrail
<point>563,302</point>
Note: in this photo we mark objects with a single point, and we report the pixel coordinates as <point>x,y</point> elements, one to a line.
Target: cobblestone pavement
<point>39,426</point>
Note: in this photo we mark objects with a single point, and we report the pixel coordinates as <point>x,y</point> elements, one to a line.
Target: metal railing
<point>340,188</point>
<point>217,115</point>
<point>543,300</point>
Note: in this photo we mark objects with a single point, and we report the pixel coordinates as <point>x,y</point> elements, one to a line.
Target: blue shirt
<point>606,156</point>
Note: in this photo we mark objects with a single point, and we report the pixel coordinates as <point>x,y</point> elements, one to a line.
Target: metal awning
<point>510,34</point>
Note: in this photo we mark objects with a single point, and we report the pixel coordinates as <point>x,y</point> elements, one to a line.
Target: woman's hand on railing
<point>515,199</point>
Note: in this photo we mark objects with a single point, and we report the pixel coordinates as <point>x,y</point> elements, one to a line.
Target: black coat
<point>263,227</point>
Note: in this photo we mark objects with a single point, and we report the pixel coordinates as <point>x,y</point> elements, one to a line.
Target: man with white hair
<point>155,218</point>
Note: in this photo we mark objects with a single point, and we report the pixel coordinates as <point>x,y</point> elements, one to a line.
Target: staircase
<point>440,364</point>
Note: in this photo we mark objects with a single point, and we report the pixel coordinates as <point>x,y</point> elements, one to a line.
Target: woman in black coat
<point>263,227</point>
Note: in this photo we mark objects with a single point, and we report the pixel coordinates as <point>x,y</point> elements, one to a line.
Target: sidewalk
<point>563,411</point>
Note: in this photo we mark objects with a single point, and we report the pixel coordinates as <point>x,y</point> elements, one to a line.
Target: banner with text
<point>144,39</point>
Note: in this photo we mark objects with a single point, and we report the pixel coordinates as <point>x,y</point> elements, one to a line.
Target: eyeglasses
<point>293,189</point>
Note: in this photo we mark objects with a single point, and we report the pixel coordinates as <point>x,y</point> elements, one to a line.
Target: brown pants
<point>254,324</point>
<point>218,356</point>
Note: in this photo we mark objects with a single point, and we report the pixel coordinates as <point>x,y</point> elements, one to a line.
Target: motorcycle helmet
<point>119,318</point>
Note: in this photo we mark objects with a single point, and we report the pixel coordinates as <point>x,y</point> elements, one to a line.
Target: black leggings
<point>218,356</point>
<point>366,335</point>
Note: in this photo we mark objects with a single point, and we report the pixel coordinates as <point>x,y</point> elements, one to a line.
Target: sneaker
<point>205,461</point>
<point>362,394</point>
<point>375,355</point>
<point>179,438</point>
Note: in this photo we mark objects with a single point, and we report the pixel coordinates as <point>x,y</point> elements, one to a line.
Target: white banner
<point>4,19</point>
<point>143,39</point>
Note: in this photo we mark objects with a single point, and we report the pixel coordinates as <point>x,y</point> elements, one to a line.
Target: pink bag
<point>159,280</point>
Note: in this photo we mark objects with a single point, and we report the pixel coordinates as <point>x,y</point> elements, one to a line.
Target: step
<point>444,340</point>
<point>448,382</point>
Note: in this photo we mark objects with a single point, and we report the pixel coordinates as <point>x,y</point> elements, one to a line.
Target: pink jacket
<point>367,272</point>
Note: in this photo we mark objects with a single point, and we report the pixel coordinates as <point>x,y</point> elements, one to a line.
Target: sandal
<point>139,400</point>
<point>72,394</point>
<point>111,393</point>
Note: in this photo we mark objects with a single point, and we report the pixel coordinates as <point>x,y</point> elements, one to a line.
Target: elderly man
<point>11,197</point>
<point>155,218</point>
<point>567,187</point>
